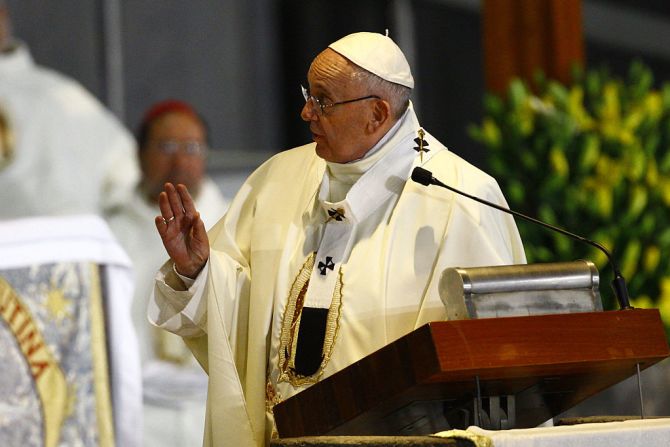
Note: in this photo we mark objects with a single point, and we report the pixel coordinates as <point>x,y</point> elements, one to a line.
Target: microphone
<point>425,178</point>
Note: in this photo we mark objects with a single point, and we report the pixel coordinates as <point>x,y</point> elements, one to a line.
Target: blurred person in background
<point>172,147</point>
<point>68,153</point>
<point>65,160</point>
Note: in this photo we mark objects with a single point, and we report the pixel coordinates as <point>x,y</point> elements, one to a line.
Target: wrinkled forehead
<point>330,69</point>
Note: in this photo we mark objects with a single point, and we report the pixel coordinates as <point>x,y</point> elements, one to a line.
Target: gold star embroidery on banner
<point>57,304</point>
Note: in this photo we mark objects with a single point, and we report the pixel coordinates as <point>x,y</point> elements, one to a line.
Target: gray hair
<point>397,95</point>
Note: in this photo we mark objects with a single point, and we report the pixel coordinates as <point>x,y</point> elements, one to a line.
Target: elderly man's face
<point>341,133</point>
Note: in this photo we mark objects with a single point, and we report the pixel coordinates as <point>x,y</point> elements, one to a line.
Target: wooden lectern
<point>545,364</point>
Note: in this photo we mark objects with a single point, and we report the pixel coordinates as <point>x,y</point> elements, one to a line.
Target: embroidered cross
<point>422,145</point>
<point>337,214</point>
<point>328,265</point>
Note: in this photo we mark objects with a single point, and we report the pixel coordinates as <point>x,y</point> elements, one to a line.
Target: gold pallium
<point>291,324</point>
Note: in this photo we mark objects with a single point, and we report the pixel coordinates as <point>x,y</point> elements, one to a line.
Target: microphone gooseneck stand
<point>426,178</point>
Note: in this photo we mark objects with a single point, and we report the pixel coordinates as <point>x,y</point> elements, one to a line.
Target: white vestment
<point>238,316</point>
<point>174,388</point>
<point>71,155</point>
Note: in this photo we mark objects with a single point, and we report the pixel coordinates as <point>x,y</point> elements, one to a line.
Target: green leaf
<point>590,152</point>
<point>517,94</point>
<point>638,201</point>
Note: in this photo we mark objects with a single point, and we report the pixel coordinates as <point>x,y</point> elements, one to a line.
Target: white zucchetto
<point>377,54</point>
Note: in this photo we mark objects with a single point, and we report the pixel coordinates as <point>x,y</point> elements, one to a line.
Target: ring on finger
<point>167,221</point>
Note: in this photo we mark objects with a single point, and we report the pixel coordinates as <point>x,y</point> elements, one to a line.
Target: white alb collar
<point>383,179</point>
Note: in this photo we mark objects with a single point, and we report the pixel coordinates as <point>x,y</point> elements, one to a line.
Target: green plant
<point>594,158</point>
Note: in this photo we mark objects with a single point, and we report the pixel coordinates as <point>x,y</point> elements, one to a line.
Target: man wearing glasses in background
<point>328,252</point>
<point>172,147</point>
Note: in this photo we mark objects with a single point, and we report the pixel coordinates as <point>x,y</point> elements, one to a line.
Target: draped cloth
<point>241,315</point>
<point>69,354</point>
<point>629,433</point>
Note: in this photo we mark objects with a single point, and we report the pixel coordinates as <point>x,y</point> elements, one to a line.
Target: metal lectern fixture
<point>520,290</point>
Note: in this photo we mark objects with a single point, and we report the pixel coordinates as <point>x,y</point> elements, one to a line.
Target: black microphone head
<point>422,176</point>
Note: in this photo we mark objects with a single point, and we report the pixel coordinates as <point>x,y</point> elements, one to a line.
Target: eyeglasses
<point>322,107</point>
<point>190,148</point>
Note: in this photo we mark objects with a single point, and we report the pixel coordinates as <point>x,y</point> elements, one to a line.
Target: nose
<point>308,113</point>
<point>180,158</point>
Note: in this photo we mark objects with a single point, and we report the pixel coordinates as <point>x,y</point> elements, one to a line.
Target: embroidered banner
<point>54,387</point>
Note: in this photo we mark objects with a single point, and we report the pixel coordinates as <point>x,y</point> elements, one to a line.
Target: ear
<point>381,115</point>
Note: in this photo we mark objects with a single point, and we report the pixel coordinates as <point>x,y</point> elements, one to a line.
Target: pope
<point>328,252</point>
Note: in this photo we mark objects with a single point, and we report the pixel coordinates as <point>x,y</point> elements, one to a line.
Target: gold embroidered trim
<point>288,324</point>
<point>7,145</point>
<point>272,397</point>
<point>291,324</point>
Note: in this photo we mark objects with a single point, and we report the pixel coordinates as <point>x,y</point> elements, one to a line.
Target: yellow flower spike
<point>652,256</point>
<point>664,300</point>
<point>611,105</point>
<point>664,309</point>
<point>603,166</point>
<point>651,176</point>
<point>664,188</point>
<point>491,132</point>
<point>558,162</point>
<point>590,152</point>
<point>642,302</point>
<point>638,200</point>
<point>637,163</point>
<point>653,105</point>
<point>526,118</point>
<point>608,171</point>
<point>610,112</point>
<point>604,200</point>
<point>631,256</point>
<point>576,108</point>
<point>664,285</point>
<point>576,97</point>
<point>609,129</point>
<point>626,137</point>
<point>589,183</point>
<point>633,120</point>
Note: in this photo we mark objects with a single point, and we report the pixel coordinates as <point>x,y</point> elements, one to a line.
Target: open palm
<point>182,230</point>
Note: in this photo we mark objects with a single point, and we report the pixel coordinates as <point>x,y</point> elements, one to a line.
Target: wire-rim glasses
<point>322,107</point>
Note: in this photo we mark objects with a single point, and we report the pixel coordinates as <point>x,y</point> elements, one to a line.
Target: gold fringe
<point>291,325</point>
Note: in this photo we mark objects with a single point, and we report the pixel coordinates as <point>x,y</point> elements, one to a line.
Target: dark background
<point>241,62</point>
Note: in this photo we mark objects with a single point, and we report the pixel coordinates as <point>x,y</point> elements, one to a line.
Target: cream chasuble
<point>368,266</point>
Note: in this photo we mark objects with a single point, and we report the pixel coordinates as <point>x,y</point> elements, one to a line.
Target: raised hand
<point>182,231</point>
